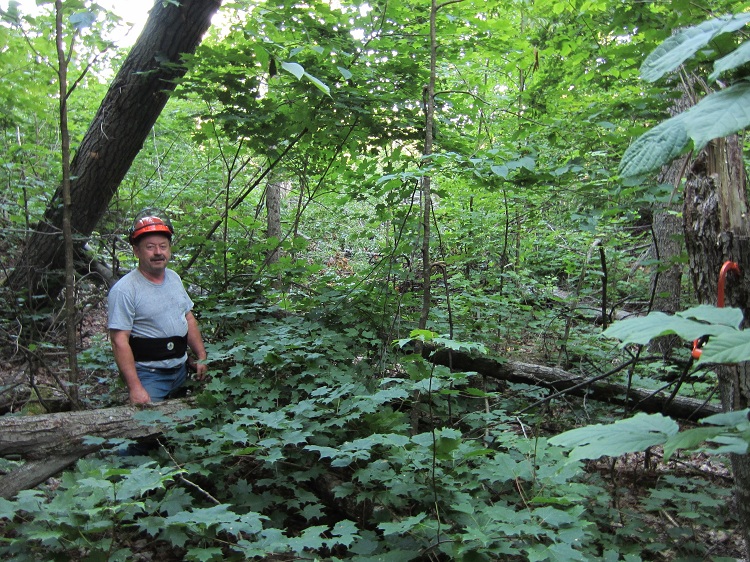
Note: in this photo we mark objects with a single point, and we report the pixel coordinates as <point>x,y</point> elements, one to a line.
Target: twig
<point>185,480</point>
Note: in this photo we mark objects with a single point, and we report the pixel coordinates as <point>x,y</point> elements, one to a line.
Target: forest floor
<point>633,480</point>
<point>675,513</point>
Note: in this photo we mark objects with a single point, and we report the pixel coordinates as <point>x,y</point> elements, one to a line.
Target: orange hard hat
<point>150,221</point>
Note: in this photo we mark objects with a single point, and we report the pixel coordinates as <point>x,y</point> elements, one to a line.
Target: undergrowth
<point>310,442</point>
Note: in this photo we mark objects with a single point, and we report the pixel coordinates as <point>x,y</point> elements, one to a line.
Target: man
<point>151,323</point>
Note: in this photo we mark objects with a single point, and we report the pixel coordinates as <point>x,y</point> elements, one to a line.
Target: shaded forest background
<point>354,186</point>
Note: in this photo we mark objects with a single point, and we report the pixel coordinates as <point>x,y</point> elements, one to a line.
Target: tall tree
<point>127,113</point>
<point>715,211</point>
<point>716,202</point>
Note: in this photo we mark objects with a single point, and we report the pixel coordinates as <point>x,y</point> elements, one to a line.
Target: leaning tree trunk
<point>126,115</point>
<point>716,230</point>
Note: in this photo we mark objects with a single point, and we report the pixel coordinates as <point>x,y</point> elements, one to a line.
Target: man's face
<point>153,252</point>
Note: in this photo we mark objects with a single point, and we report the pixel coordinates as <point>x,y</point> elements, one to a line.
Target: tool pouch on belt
<point>156,349</point>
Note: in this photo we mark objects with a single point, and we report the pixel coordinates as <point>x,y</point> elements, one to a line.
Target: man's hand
<point>139,395</point>
<point>199,368</point>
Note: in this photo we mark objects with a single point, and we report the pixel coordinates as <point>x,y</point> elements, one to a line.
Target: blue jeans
<point>161,383</point>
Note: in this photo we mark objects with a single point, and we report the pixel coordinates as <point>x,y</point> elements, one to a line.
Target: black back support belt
<point>157,349</point>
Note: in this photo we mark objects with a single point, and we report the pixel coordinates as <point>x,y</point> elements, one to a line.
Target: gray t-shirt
<point>150,310</point>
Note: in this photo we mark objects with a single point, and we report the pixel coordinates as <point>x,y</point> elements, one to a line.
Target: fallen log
<point>559,380</point>
<point>52,442</point>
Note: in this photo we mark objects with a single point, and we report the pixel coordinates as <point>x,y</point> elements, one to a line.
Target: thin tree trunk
<point>125,117</point>
<point>428,101</point>
<point>70,276</point>
<point>273,216</point>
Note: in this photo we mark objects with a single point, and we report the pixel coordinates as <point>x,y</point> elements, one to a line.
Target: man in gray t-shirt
<point>150,322</point>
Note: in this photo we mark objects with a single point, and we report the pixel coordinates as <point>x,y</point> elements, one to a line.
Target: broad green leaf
<point>142,480</point>
<point>7,509</point>
<point>642,330</point>
<point>730,444</point>
<point>201,518</point>
<point>311,539</point>
<point>726,316</point>
<point>718,115</point>
<point>346,532</point>
<point>558,517</point>
<point>738,57</point>
<point>320,85</point>
<point>501,171</point>
<point>345,73</point>
<point>294,69</point>
<point>625,436</point>
<point>731,347</point>
<point>681,46</point>
<point>655,147</point>
<point>729,419</point>
<point>689,439</point>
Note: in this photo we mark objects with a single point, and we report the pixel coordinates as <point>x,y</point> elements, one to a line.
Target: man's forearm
<point>126,365</point>
<point>194,338</point>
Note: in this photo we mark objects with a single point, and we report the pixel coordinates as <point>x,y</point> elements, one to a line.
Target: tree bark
<point>127,113</point>
<point>52,442</point>
<point>717,230</point>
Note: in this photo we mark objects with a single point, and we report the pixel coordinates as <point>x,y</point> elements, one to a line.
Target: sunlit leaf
<point>683,45</point>
<point>719,114</point>
<point>294,69</point>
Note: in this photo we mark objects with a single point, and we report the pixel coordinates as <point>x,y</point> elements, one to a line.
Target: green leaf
<point>642,330</point>
<point>294,69</point>
<point>141,480</point>
<point>346,533</point>
<point>731,444</point>
<point>718,115</point>
<point>558,517</point>
<point>736,58</point>
<point>311,538</point>
<point>82,20</point>
<point>655,147</point>
<point>689,439</point>
<point>681,46</point>
<point>204,554</point>
<point>501,171</point>
<point>203,518</point>
<point>7,509</point>
<point>733,347</point>
<point>729,419</point>
<point>319,84</point>
<point>625,436</point>
<point>726,316</point>
<point>402,527</point>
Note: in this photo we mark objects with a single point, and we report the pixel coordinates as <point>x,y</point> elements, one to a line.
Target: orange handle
<point>725,268</point>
